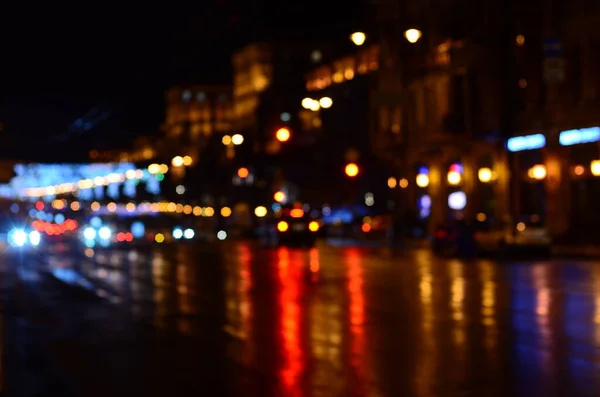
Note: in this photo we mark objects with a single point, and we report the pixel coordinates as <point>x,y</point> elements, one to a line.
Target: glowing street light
<point>537,172</point>
<point>154,169</point>
<point>226,140</point>
<point>260,212</point>
<point>307,103</point>
<point>279,196</point>
<point>237,139</point>
<point>485,175</point>
<point>392,182</point>
<point>177,161</point>
<point>351,170</point>
<point>595,167</point>
<point>325,102</point>
<point>413,35</point>
<point>358,38</point>
<point>283,134</point>
<point>422,180</point>
<point>454,177</point>
<point>243,172</point>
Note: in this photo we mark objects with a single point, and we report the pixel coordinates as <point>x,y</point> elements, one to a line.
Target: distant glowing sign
<point>582,135</point>
<point>527,142</point>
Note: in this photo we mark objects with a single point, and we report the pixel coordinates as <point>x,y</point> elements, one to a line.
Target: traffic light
<point>283,134</point>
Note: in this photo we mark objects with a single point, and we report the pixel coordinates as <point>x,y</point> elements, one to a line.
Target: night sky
<point>61,64</point>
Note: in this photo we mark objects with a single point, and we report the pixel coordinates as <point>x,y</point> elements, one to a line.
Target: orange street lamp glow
<point>283,134</point>
<point>243,172</point>
<point>279,196</point>
<point>351,170</point>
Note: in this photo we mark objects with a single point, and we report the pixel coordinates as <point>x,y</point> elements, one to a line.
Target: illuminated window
<point>196,130</point>
<point>195,115</point>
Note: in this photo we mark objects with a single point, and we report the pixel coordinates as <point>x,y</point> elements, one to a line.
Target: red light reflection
<point>290,327</point>
<point>357,308</point>
<point>245,285</point>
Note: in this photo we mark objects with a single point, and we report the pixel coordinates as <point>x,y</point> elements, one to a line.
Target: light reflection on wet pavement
<point>334,322</point>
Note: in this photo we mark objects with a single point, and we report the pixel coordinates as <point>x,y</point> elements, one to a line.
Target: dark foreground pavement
<point>236,320</point>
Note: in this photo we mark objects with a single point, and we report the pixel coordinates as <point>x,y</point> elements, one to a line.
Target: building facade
<point>195,115</point>
<point>555,148</point>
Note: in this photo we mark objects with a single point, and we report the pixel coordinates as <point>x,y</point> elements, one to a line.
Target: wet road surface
<point>244,321</point>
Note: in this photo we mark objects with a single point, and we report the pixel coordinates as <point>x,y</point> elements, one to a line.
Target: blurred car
<point>20,239</point>
<point>293,226</point>
<point>524,234</point>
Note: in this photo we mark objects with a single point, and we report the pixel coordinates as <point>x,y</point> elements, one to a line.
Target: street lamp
<point>325,102</point>
<point>226,140</point>
<point>413,35</point>
<point>177,161</point>
<point>358,38</point>
<point>595,167</point>
<point>454,177</point>
<point>351,170</point>
<point>537,172</point>
<point>154,169</point>
<point>422,180</point>
<point>307,103</point>
<point>260,212</point>
<point>237,139</point>
<point>283,134</point>
<point>392,182</point>
<point>485,175</point>
<point>243,173</point>
<point>279,196</point>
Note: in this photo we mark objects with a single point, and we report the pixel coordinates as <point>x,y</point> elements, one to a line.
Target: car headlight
<point>89,233</point>
<point>177,233</point>
<point>104,233</point>
<point>17,238</point>
<point>189,234</point>
<point>35,238</point>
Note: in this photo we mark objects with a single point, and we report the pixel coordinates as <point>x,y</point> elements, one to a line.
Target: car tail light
<point>296,213</point>
<point>440,234</point>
